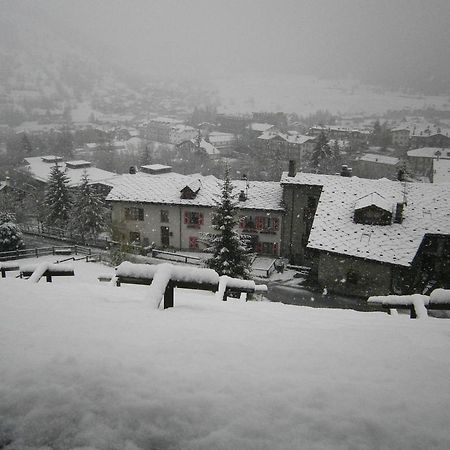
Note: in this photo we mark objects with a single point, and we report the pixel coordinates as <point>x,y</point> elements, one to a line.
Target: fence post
<point>168,295</point>
<point>53,250</point>
<point>76,249</point>
<point>36,251</point>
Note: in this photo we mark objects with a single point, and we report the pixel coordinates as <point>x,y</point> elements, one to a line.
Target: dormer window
<point>242,196</point>
<point>373,209</point>
<point>191,190</point>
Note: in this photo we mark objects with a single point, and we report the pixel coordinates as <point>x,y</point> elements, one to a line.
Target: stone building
<point>367,237</point>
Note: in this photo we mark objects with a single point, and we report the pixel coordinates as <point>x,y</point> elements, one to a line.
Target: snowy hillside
<point>85,364</point>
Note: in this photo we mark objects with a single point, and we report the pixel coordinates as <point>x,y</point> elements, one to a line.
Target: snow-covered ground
<point>85,365</point>
<point>305,95</point>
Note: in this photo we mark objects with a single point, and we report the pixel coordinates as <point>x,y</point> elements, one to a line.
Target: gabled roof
<point>165,189</point>
<point>427,212</point>
<point>373,199</point>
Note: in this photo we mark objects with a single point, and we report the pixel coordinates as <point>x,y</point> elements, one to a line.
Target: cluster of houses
<point>360,236</point>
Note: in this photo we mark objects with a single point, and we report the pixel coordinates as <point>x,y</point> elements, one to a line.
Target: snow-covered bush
<point>10,235</point>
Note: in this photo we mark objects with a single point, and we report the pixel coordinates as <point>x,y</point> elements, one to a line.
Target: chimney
<point>8,181</point>
<point>398,218</point>
<point>346,171</point>
<point>291,172</point>
<point>242,196</point>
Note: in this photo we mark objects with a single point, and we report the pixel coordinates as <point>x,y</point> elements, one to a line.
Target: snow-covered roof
<point>381,159</point>
<point>430,152</point>
<point>166,120</point>
<point>218,136</point>
<point>207,146</point>
<point>40,170</point>
<point>255,126</point>
<point>373,199</point>
<point>399,129</point>
<point>427,212</point>
<point>291,136</point>
<point>441,170</point>
<point>180,128</point>
<point>165,189</point>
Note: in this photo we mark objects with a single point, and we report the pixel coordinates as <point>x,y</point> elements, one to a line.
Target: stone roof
<point>427,212</point>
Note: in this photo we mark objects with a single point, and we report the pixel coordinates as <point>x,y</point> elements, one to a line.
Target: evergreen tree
<point>58,200</point>
<point>145,156</point>
<point>26,145</point>
<point>87,213</point>
<point>230,253</point>
<point>336,151</point>
<point>10,235</point>
<point>376,133</point>
<point>322,155</point>
<point>64,143</point>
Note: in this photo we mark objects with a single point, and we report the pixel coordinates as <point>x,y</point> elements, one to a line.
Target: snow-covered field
<point>305,95</point>
<point>87,365</point>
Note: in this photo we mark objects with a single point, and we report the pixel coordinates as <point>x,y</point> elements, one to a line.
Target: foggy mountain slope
<point>48,65</point>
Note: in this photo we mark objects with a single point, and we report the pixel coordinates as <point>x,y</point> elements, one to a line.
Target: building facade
<point>171,210</point>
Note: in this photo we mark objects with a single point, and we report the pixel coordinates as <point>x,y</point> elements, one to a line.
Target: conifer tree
<point>58,200</point>
<point>87,213</point>
<point>321,155</point>
<point>229,250</point>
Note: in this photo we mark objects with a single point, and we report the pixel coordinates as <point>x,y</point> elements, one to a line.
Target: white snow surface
<point>440,296</point>
<point>86,365</point>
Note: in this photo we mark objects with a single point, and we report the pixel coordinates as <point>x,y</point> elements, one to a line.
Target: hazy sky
<point>347,37</point>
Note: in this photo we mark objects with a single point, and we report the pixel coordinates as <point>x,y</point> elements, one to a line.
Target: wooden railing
<point>42,251</point>
<point>65,235</point>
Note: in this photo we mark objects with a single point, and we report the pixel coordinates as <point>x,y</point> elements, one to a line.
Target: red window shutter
<point>275,248</point>
<point>276,224</point>
<point>200,219</point>
<point>258,247</point>
<point>193,242</point>
<point>186,217</point>
<point>259,222</point>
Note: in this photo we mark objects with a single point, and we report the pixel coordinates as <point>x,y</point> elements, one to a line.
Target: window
<point>193,219</point>
<point>135,237</point>
<point>164,215</point>
<point>193,242</point>
<point>267,248</point>
<point>263,223</point>
<point>133,213</point>
<point>352,277</point>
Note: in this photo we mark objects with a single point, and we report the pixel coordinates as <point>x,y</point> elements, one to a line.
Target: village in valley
<point>224,225</point>
<point>359,206</point>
